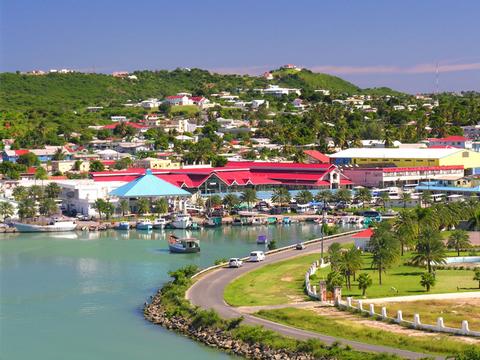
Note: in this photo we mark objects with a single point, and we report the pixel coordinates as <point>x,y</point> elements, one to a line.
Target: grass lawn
<point>452,311</point>
<point>188,110</point>
<point>282,282</point>
<point>354,330</point>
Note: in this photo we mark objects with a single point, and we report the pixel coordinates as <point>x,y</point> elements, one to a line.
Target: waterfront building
<point>454,141</point>
<point>391,157</point>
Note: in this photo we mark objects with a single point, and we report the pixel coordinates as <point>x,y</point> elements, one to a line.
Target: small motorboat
<point>262,239</point>
<point>144,225</point>
<point>237,222</point>
<point>181,221</point>
<point>159,223</point>
<point>123,225</point>
<point>286,220</point>
<point>212,222</point>
<point>183,245</point>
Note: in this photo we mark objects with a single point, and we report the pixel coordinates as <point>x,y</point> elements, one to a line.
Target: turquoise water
<point>80,295</point>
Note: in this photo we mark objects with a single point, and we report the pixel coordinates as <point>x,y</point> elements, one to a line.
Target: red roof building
<point>316,157</point>
<point>362,239</point>
<point>455,141</point>
<point>132,124</point>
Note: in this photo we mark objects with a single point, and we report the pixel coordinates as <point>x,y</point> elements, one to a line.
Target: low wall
<point>415,324</point>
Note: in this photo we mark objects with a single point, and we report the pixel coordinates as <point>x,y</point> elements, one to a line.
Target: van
<point>256,256</point>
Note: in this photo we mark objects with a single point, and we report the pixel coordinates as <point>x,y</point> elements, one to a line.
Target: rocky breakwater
<point>215,337</point>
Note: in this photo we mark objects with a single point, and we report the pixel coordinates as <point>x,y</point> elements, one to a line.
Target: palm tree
<point>143,206</point>
<point>323,196</point>
<point>334,255</point>
<point>350,263</point>
<point>20,193</point>
<point>230,201</point>
<point>53,190</point>
<point>427,280</point>
<point>26,209</point>
<point>160,206</point>
<point>213,201</point>
<point>364,195</point>
<point>458,240</point>
<point>476,276</point>
<point>406,228</point>
<point>430,249</point>
<point>99,205</point>
<point>48,207</point>
<point>405,197</point>
<point>334,278</point>
<point>6,209</point>
<point>281,196</point>
<point>364,282</point>
<point>249,196</point>
<point>124,206</point>
<point>304,197</point>
<point>59,154</point>
<point>384,197</point>
<point>344,195</point>
<point>384,248</point>
<point>426,198</point>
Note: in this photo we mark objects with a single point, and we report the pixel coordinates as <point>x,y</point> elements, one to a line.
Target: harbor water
<point>80,295</point>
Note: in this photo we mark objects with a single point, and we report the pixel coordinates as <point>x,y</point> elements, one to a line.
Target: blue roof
<point>148,185</point>
<point>449,189</point>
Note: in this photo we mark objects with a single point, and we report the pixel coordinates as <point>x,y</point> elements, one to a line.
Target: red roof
<point>449,138</point>
<point>417,168</point>
<point>171,97</point>
<point>367,233</point>
<point>21,152</point>
<point>317,155</point>
<point>132,124</point>
<point>197,98</point>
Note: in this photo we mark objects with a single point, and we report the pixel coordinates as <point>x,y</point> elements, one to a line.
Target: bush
<point>221,261</point>
<point>272,245</point>
<point>206,318</point>
<point>234,323</point>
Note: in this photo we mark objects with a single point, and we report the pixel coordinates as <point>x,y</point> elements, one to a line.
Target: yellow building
<point>154,163</point>
<point>408,157</point>
<point>64,166</point>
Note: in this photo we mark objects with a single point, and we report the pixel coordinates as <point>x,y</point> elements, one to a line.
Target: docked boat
<point>144,225</point>
<point>123,225</point>
<point>212,222</point>
<point>183,245</point>
<point>51,226</point>
<point>237,222</point>
<point>159,223</point>
<point>286,220</point>
<point>182,221</point>
<point>262,239</point>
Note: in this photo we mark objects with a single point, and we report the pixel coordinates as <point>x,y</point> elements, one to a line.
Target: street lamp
<point>321,233</point>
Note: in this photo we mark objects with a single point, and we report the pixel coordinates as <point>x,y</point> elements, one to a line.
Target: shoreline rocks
<point>214,337</point>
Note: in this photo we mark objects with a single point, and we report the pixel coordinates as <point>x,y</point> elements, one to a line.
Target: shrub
<point>221,261</point>
<point>206,318</point>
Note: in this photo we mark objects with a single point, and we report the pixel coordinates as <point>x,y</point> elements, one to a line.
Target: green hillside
<point>306,79</point>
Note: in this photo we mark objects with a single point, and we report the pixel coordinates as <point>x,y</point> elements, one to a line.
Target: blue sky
<point>369,42</point>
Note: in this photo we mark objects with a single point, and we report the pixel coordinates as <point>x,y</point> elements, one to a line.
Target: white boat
<point>144,225</point>
<point>159,223</point>
<point>51,226</point>
<point>182,221</point>
<point>183,245</point>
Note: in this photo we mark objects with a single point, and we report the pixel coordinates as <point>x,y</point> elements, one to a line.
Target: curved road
<point>207,292</point>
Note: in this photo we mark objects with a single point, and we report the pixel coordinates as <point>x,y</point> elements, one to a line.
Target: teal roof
<point>148,185</point>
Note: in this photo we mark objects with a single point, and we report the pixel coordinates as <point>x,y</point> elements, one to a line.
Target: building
<point>472,131</point>
<point>150,103</point>
<point>155,163</point>
<point>237,176</point>
<point>453,141</point>
<point>362,239</point>
<point>398,176</point>
<point>392,157</point>
<point>179,100</point>
<point>316,157</point>
<point>118,118</point>
<point>44,155</point>
<point>451,190</point>
<point>64,166</point>
<point>255,104</point>
<point>276,90</point>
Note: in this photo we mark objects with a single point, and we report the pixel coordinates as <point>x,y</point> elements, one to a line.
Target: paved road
<point>207,293</point>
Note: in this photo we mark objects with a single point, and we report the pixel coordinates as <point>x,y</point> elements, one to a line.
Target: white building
<point>179,100</point>
<point>118,118</point>
<point>276,90</point>
<point>257,103</point>
<point>150,103</point>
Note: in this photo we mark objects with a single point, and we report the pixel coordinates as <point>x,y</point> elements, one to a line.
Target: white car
<point>235,263</point>
<point>256,256</point>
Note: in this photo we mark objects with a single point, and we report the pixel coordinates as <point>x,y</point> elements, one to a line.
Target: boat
<point>159,223</point>
<point>212,222</point>
<point>144,225</point>
<point>53,225</point>
<point>258,221</point>
<point>123,225</point>
<point>183,245</point>
<point>286,220</point>
<point>182,221</point>
<point>237,222</point>
<point>262,239</point>
<point>272,220</point>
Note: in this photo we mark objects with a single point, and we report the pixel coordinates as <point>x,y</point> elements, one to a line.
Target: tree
<point>406,229</point>
<point>476,276</point>
<point>160,206</point>
<point>213,201</point>
<point>458,240</point>
<point>99,205</point>
<point>36,192</point>
<point>48,207</point>
<point>58,155</point>
<point>426,198</point>
<point>427,280</point>
<point>281,196</point>
<point>384,197</point>
<point>249,196</point>
<point>20,193</point>
<point>96,165</point>
<point>334,278</point>
<point>6,210</point>
<point>53,190</point>
<point>384,248</point>
<point>364,282</point>
<point>124,206</point>
<point>323,196</point>
<point>77,165</point>
<point>108,209</point>
<point>26,209</point>
<point>430,249</point>
<point>41,173</point>
<point>304,197</point>
<point>405,197</point>
<point>364,195</point>
<point>335,255</point>
<point>350,263</point>
<point>28,159</point>
<point>230,201</point>
<point>123,163</point>
<point>343,195</point>
<point>143,206</point>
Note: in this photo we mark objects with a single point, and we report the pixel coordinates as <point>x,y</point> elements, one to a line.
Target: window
<point>465,154</point>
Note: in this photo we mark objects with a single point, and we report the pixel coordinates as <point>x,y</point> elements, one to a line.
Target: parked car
<point>256,256</point>
<point>300,246</point>
<point>235,263</point>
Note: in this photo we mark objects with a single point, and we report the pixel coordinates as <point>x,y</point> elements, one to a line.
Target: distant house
<point>131,124</point>
<point>118,118</point>
<point>44,155</point>
<point>454,141</point>
<point>316,157</point>
<point>276,90</point>
<point>150,103</point>
<point>298,104</point>
<point>268,76</point>
<point>255,104</point>
<point>362,239</point>
<point>200,101</point>
<point>178,100</point>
